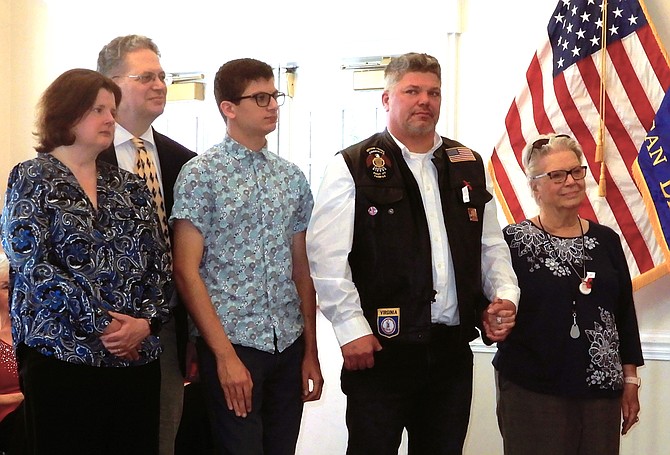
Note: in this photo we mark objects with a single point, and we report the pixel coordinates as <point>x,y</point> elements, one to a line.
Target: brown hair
<point>234,76</point>
<point>65,102</point>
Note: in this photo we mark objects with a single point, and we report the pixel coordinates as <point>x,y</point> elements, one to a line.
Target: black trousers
<point>81,409</point>
<point>13,433</point>
<point>426,389</point>
<point>272,426</point>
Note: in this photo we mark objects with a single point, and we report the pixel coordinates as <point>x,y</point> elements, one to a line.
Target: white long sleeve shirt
<point>330,236</point>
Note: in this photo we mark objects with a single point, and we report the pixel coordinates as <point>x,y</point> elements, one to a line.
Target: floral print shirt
<point>541,354</point>
<point>71,263</point>
<point>247,206</point>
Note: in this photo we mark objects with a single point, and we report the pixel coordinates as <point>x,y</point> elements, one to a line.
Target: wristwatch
<point>633,380</point>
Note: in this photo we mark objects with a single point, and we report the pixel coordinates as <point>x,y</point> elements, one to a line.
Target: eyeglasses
<point>263,98</point>
<point>561,176</point>
<point>146,78</point>
<point>538,144</point>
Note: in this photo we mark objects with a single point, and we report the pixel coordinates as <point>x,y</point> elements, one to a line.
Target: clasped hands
<point>124,335</point>
<point>499,319</point>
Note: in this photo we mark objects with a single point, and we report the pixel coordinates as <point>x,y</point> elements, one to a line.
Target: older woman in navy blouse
<point>90,268</point>
<point>567,373</point>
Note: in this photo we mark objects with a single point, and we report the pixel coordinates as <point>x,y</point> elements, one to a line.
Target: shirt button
<point>391,211</point>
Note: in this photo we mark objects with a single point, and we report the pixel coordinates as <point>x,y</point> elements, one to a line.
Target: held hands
<point>359,353</point>
<point>499,318</point>
<point>124,334</point>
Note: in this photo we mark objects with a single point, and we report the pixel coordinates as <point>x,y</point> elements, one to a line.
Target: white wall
<point>39,39</point>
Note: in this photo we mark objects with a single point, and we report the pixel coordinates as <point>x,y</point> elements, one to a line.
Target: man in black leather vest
<point>408,261</point>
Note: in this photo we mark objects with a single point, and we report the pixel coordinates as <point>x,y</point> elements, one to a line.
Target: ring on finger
<point>499,319</point>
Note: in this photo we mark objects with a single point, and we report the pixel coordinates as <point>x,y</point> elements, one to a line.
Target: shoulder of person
<point>452,144</point>
<point>377,139</point>
<point>597,229</point>
<point>125,178</point>
<point>511,228</point>
<point>175,147</point>
<point>41,165</point>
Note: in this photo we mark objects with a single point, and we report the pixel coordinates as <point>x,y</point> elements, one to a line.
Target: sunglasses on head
<point>538,144</point>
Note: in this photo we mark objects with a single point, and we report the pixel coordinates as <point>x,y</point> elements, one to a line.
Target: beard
<point>420,128</point>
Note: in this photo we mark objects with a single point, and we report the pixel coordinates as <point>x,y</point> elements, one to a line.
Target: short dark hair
<point>411,62</point>
<point>233,77</point>
<point>112,55</point>
<point>65,102</point>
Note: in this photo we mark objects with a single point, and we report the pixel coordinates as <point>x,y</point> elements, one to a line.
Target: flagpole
<point>600,144</point>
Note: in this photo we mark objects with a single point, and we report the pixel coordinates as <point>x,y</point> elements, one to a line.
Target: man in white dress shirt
<point>133,62</point>
<point>408,259</point>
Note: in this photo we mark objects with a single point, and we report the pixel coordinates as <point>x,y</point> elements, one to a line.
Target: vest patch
<point>378,163</point>
<point>458,154</point>
<point>388,322</point>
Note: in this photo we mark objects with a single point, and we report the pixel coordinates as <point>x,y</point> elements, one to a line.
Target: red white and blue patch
<point>458,154</point>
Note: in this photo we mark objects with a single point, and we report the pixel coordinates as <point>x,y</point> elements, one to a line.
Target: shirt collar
<point>240,152</point>
<point>437,142</point>
<point>122,135</point>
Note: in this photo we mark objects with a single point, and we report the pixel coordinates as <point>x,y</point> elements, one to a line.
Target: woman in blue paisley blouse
<point>567,373</point>
<point>89,272</point>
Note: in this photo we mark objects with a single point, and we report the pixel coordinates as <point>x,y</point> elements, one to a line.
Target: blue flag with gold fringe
<point>652,175</point>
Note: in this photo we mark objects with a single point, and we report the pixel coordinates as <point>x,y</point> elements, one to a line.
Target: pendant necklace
<point>585,280</point>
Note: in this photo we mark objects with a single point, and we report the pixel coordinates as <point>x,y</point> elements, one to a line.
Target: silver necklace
<point>585,280</point>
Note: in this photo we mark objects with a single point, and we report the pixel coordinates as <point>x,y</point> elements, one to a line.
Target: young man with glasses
<point>239,219</point>
<point>133,63</point>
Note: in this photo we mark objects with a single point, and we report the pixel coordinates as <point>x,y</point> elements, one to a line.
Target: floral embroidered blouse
<point>72,263</point>
<point>544,353</point>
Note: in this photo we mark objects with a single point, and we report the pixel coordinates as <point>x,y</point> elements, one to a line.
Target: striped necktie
<point>145,167</point>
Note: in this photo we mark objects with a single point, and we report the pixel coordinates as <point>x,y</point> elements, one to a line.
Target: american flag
<point>562,94</point>
<point>459,154</point>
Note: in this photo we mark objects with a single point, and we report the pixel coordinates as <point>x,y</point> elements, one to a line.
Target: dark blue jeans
<point>272,426</point>
<point>426,389</point>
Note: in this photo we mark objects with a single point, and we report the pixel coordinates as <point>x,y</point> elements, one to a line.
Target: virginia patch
<point>388,322</point>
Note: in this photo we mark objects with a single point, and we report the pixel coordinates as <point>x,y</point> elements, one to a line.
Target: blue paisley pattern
<point>72,263</point>
<point>247,206</point>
